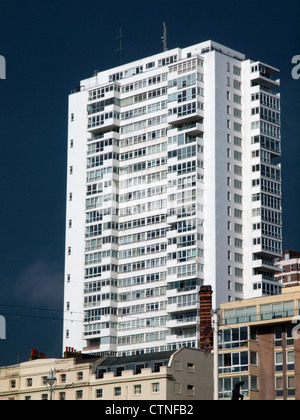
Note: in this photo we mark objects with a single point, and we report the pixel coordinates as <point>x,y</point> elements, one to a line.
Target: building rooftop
<point>139,358</point>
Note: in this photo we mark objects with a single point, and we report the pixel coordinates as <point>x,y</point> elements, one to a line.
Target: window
<point>237,99</point>
<point>236,70</point>
<point>290,386</point>
<point>80,376</point>
<point>62,396</point>
<point>191,367</point>
<point>233,362</point>
<point>99,393</point>
<point>237,113</point>
<point>279,386</point>
<point>191,390</point>
<point>289,336</point>
<point>155,387</point>
<point>238,287</point>
<point>290,360</point>
<point>278,310</point>
<point>13,383</point>
<point>44,397</point>
<point>137,389</point>
<point>178,366</point>
<point>278,361</point>
<point>237,127</point>
<point>236,337</point>
<point>63,378</point>
<point>253,358</point>
<point>237,84</point>
<point>178,389</point>
<point>79,395</point>
<point>278,337</point>
<point>117,391</point>
<point>238,272</point>
<point>237,141</point>
<point>253,383</point>
<point>238,257</point>
<point>29,381</point>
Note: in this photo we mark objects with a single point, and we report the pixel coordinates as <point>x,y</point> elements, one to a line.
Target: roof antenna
<point>120,49</point>
<point>164,37</point>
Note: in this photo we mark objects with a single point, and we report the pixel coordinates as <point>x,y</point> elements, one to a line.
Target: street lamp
<point>50,383</point>
<point>216,352</point>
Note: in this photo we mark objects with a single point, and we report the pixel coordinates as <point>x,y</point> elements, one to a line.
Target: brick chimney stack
<point>35,354</point>
<point>72,353</point>
<point>206,331</point>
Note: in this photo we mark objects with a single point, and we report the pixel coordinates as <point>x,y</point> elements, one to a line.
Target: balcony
<point>91,348</point>
<point>265,81</point>
<point>99,333</point>
<point>181,307</point>
<point>173,338</point>
<point>100,123</point>
<point>180,291</point>
<point>171,220</point>
<point>262,75</point>
<point>184,321</point>
<point>266,265</point>
<point>185,114</point>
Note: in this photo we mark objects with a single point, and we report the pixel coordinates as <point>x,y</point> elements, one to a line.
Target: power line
<point>38,317</point>
<point>35,308</point>
<point>21,313</point>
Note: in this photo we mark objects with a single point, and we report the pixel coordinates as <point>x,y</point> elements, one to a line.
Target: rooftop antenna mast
<point>120,49</point>
<point>164,37</point>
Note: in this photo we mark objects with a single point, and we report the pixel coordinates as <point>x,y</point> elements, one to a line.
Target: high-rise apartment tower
<point>173,183</point>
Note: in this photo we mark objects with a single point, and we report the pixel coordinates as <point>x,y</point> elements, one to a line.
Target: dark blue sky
<point>49,47</point>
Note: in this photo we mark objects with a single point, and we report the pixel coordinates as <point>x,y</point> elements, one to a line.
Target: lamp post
<point>216,357</point>
<point>50,383</point>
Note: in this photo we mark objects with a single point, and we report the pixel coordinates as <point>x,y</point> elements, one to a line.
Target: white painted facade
<point>171,184</point>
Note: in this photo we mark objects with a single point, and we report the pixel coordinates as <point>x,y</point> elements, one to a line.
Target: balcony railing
<point>261,316</point>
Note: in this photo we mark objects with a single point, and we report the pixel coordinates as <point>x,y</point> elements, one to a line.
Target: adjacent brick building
<point>289,265</point>
<point>259,345</point>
